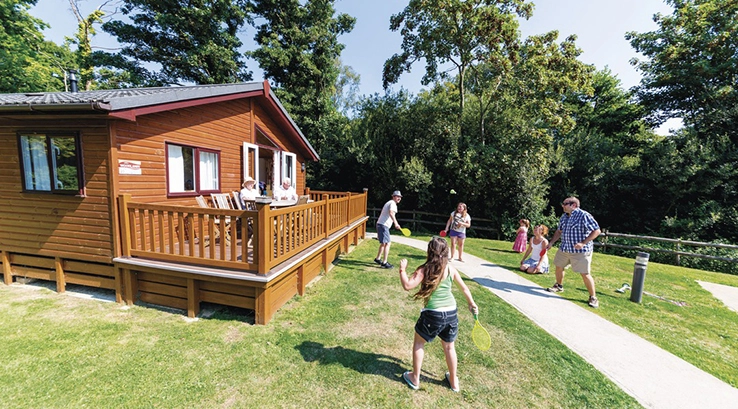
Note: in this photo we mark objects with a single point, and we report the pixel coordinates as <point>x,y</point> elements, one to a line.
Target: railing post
<point>125,222</point>
<point>325,215</point>
<point>348,209</point>
<point>307,191</point>
<point>7,271</point>
<point>263,234</point>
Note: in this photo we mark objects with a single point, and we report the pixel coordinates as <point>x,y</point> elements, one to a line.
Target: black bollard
<point>639,277</point>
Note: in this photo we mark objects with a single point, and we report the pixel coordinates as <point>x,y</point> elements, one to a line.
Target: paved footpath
<point>654,377</point>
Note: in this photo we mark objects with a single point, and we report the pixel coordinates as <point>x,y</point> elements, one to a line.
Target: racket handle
<point>475,317</point>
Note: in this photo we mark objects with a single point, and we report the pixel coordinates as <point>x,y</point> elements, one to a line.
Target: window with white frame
<point>51,163</point>
<point>289,167</point>
<point>192,170</point>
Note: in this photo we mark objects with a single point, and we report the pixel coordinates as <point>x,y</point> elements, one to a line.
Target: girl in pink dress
<point>522,238</point>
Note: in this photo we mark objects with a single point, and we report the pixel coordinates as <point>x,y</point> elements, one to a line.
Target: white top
<point>536,252</point>
<point>384,217</point>
<point>281,193</point>
<point>248,194</point>
<point>455,226</point>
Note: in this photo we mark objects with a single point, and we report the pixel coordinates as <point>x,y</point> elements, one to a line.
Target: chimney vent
<point>73,80</point>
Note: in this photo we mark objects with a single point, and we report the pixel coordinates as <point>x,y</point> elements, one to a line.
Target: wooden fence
<point>604,243</point>
<point>433,222</point>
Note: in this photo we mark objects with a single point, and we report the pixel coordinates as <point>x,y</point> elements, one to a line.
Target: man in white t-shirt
<point>285,191</point>
<point>384,222</point>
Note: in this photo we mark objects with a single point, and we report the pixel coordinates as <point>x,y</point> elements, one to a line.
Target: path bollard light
<point>639,277</point>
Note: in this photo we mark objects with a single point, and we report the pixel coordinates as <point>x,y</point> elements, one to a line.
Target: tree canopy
<point>192,41</point>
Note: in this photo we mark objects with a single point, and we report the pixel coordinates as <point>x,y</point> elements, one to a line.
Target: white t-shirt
<point>281,193</point>
<point>248,194</point>
<point>457,218</point>
<point>384,217</point>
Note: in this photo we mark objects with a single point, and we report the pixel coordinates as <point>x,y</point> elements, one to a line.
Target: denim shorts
<point>383,233</point>
<point>441,324</point>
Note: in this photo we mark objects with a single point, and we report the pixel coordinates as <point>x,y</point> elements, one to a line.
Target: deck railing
<point>223,238</point>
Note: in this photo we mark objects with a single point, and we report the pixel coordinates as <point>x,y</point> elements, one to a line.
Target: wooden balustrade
<point>220,238</point>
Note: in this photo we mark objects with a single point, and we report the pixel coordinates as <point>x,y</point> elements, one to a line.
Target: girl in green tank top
<point>438,318</point>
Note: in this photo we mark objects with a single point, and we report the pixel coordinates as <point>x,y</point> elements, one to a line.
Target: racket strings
<point>481,337</point>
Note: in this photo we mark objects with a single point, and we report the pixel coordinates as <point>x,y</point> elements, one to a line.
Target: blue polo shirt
<point>575,228</point>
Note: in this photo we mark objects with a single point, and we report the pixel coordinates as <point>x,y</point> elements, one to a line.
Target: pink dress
<point>521,240</point>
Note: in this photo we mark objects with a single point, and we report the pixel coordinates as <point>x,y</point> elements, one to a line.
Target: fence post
<point>678,248</point>
<point>264,232</point>
<point>125,223</point>
<point>326,209</point>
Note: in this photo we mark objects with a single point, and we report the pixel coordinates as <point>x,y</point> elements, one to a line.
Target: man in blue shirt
<point>577,229</point>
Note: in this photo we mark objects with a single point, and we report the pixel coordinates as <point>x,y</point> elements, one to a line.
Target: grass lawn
<point>703,333</point>
<point>345,344</point>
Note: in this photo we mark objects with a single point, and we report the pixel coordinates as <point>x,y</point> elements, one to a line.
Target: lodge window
<point>192,170</point>
<point>51,163</point>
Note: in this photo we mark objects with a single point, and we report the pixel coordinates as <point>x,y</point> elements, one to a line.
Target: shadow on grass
<point>362,362</point>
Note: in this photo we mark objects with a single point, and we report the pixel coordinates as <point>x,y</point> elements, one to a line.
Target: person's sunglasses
<point>567,203</point>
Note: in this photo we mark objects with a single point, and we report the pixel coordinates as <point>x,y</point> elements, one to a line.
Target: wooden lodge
<point>100,189</point>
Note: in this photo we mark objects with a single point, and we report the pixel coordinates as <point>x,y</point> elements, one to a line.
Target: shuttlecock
<point>453,192</point>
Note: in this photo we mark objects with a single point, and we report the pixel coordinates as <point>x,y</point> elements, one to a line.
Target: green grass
<point>345,344</point>
<point>704,332</point>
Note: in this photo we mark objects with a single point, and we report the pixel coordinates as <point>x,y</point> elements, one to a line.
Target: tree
<point>193,41</point>
<point>456,32</point>
<point>27,61</point>
<point>299,52</point>
<point>691,73</point>
<point>692,65</point>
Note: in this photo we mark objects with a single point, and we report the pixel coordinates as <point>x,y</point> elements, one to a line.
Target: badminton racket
<point>480,336</point>
<point>405,231</point>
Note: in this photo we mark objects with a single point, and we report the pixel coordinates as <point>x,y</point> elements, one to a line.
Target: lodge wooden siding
<point>222,126</point>
<point>73,227</point>
<point>266,124</point>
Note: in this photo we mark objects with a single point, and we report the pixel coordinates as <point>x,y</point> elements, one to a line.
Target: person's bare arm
<point>593,235</point>
<point>555,237</point>
<point>408,283</point>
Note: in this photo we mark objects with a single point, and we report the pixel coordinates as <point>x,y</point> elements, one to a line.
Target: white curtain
<point>35,163</point>
<point>208,171</point>
<point>176,169</point>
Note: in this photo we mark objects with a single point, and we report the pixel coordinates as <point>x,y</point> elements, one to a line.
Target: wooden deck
<point>180,256</point>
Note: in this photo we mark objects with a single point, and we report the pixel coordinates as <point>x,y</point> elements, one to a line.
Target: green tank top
<point>442,299</point>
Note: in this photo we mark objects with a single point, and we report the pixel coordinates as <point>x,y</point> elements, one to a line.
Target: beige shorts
<point>579,262</point>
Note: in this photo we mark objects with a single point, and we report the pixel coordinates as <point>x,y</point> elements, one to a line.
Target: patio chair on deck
<point>204,204</point>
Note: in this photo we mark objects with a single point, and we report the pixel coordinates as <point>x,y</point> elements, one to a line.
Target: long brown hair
<point>433,268</point>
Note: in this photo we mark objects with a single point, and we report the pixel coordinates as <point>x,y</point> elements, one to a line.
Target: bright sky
<point>600,26</point>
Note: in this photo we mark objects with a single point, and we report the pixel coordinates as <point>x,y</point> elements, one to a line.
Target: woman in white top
<point>456,227</point>
<point>538,261</point>
<point>249,192</point>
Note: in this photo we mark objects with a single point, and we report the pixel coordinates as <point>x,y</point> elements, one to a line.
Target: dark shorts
<point>383,234</point>
<point>454,233</point>
<point>441,324</point>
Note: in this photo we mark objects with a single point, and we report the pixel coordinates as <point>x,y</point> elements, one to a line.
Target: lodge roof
<point>131,102</point>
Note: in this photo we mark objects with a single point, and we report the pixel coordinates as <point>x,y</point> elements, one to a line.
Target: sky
<point>600,26</point>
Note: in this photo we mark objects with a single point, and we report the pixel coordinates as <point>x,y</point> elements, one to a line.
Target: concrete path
<point>725,293</point>
<point>654,377</point>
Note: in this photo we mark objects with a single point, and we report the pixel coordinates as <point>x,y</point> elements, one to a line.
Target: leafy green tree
<point>27,61</point>
<point>299,52</point>
<point>692,65</point>
<point>192,41</point>
<point>691,73</point>
<point>459,33</point>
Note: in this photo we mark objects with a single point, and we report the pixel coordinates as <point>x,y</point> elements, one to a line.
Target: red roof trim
<point>131,114</point>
